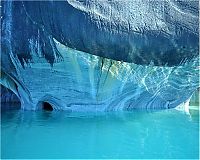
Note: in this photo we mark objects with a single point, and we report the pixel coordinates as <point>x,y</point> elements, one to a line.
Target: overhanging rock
<point>100,56</point>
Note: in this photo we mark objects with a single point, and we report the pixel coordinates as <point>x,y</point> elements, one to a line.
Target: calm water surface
<point>42,134</point>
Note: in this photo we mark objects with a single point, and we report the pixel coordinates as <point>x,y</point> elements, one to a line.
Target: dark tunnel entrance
<point>9,100</point>
<point>47,106</point>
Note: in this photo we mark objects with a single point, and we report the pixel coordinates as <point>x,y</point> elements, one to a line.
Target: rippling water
<point>137,134</point>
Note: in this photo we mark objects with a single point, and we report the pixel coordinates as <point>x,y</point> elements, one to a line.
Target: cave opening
<point>47,106</point>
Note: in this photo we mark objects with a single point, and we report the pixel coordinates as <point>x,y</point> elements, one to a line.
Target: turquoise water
<point>160,134</point>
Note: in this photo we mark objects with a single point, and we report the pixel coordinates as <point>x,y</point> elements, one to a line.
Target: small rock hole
<point>47,106</point>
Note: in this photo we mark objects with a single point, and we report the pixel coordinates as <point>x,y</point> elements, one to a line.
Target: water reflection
<point>136,134</point>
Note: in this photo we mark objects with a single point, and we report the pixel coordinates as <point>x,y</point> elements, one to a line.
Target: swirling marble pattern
<point>100,56</point>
